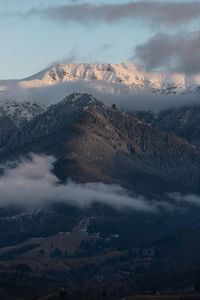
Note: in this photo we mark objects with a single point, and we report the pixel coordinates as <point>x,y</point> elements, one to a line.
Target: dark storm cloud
<point>178,52</point>
<point>154,12</point>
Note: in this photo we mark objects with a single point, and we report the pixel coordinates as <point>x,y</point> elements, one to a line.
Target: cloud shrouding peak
<point>178,52</point>
<point>154,12</point>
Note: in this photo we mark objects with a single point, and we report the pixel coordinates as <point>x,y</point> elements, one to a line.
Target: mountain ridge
<point>122,79</point>
<point>94,142</point>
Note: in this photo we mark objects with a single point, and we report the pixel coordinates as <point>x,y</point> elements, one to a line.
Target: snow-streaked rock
<point>19,112</point>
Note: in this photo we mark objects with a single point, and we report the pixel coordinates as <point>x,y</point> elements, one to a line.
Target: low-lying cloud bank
<point>190,199</point>
<point>30,184</point>
<point>122,96</point>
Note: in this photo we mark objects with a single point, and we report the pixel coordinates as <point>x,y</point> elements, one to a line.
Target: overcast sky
<point>155,34</point>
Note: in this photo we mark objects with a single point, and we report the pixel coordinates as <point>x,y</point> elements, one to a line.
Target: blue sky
<point>31,42</point>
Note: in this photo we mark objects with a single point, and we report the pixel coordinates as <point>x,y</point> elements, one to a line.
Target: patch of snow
<point>21,111</point>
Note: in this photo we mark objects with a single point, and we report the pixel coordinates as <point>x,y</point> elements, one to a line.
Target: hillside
<point>93,142</point>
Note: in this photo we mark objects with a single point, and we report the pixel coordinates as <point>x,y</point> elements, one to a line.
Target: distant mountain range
<point>124,79</point>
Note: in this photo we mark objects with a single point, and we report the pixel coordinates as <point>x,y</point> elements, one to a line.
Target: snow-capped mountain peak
<point>100,80</point>
<point>127,74</point>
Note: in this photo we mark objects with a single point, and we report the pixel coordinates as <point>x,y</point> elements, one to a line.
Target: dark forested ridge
<point>93,142</point>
